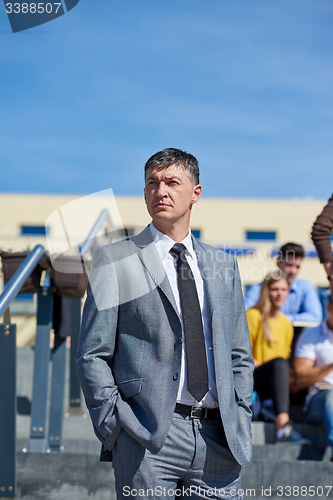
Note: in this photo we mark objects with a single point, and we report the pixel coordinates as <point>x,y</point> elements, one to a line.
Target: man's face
<point>169,194</point>
<point>291,266</point>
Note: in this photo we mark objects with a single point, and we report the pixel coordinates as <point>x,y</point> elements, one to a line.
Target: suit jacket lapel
<point>151,260</point>
<point>207,269</point>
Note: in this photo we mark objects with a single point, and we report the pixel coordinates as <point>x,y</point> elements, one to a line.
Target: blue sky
<point>244,85</point>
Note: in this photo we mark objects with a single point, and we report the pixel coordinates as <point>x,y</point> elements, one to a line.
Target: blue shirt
<point>302,303</point>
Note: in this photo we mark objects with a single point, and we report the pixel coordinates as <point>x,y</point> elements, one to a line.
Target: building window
<point>34,231</point>
<point>196,233</point>
<point>24,297</point>
<point>261,235</point>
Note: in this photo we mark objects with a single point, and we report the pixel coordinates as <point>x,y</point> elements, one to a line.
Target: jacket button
<point>176,375</point>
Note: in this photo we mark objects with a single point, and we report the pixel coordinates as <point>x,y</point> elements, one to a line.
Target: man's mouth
<point>160,204</point>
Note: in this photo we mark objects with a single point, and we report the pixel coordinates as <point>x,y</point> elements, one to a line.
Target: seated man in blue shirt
<point>302,303</point>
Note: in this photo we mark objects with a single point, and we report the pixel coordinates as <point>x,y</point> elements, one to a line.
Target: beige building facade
<point>252,229</point>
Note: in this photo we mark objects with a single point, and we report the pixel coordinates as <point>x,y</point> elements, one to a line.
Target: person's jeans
<point>320,411</point>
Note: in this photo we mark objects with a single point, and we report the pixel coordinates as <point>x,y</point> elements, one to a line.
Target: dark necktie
<point>195,347</point>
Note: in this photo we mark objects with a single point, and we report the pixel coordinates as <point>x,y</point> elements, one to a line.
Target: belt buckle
<point>195,410</point>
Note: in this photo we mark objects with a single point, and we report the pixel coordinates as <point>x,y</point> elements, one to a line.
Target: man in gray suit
<point>164,356</point>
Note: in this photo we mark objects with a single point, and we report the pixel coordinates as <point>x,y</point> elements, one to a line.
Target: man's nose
<point>161,190</point>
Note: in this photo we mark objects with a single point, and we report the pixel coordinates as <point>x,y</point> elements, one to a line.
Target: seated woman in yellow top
<point>271,336</point>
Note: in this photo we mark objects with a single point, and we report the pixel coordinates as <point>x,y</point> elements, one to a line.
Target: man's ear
<point>197,190</point>
<point>144,195</point>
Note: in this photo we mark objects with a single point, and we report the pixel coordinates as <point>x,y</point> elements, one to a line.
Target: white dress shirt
<point>316,344</point>
<point>164,244</point>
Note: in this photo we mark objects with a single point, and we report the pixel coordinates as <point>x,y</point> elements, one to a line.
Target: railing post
<point>8,411</point>
<point>59,353</point>
<point>37,441</point>
<point>75,389</point>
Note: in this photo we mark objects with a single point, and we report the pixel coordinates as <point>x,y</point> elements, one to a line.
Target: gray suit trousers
<point>193,462</point>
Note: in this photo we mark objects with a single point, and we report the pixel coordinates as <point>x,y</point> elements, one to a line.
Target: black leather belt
<point>197,411</point>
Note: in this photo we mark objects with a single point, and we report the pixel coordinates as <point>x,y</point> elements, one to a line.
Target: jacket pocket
<point>241,403</point>
<point>130,388</point>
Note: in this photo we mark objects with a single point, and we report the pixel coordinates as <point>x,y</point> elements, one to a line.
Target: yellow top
<point>282,331</point>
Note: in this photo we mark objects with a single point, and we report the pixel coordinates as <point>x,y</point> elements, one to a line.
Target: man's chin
<point>162,219</point>
<point>161,215</point>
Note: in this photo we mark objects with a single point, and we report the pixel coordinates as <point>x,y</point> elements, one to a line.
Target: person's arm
<point>252,296</point>
<point>306,374</point>
<point>241,352</point>
<point>328,267</point>
<point>310,309</point>
<point>329,270</point>
<point>321,237</point>
<point>96,348</point>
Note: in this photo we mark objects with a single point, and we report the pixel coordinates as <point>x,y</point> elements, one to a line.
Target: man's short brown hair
<point>293,250</point>
<point>171,156</point>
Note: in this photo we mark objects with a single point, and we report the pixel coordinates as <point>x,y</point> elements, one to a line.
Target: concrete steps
<point>265,433</point>
<point>80,476</point>
<point>64,476</point>
<point>77,474</point>
<point>288,479</point>
<point>291,453</point>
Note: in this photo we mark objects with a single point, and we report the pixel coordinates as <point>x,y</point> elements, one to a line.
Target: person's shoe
<point>288,435</point>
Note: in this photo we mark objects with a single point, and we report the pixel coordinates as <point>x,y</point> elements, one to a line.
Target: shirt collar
<point>164,243</point>
<point>294,285</point>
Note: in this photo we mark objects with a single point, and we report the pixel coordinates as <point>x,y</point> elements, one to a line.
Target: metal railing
<point>90,242</point>
<point>88,246</point>
<point>8,375</point>
<point>38,440</point>
<point>16,282</point>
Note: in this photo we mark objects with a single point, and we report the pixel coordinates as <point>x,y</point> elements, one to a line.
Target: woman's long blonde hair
<point>264,304</point>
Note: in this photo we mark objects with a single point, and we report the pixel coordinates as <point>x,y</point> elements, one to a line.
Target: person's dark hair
<point>291,250</point>
<point>171,156</point>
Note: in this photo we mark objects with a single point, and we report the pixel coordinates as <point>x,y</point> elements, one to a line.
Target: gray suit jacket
<point>130,346</point>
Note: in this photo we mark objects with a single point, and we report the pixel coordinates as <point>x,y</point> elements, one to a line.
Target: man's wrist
<point>330,277</point>
<point>328,266</point>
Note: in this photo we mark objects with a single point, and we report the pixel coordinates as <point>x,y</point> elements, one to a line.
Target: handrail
<point>104,216</point>
<point>15,283</point>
